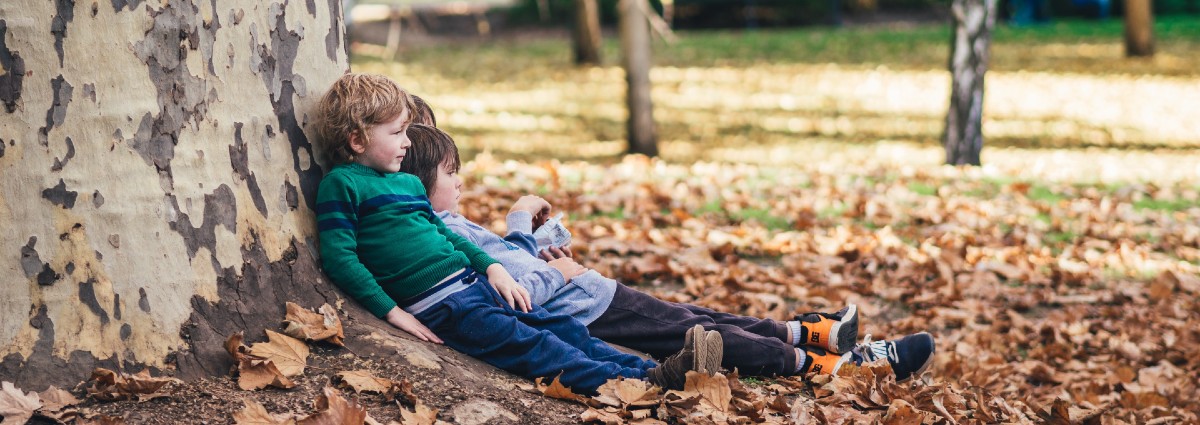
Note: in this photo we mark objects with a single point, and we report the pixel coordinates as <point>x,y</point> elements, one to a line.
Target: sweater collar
<point>356,168</point>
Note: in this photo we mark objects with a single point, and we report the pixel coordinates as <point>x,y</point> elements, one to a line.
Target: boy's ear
<point>357,144</point>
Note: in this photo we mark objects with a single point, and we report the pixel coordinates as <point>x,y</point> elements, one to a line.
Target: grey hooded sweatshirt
<point>585,298</point>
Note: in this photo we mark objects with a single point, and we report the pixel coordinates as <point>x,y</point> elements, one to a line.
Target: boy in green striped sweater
<point>382,244</point>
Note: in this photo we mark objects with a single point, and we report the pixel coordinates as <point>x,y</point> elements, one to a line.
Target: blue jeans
<point>477,321</point>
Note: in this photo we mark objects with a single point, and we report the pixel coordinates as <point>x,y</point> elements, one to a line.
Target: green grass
<point>764,217</point>
<point>922,189</point>
<point>1043,194</point>
<point>1165,205</point>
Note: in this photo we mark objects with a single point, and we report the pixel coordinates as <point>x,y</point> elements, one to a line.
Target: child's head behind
<point>422,113</point>
<point>434,159</point>
<point>352,106</point>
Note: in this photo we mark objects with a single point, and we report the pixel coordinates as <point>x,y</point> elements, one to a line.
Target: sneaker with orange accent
<point>823,362</point>
<point>909,356</point>
<point>835,332</point>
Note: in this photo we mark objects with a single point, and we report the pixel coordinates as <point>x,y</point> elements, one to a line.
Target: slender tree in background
<point>636,58</point>
<point>973,23</point>
<point>586,33</point>
<point>1139,28</point>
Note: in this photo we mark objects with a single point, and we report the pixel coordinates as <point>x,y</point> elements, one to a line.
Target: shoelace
<point>870,351</point>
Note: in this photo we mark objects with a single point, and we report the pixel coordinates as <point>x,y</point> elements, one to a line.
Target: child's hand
<point>406,322</point>
<point>536,206</point>
<point>568,267</point>
<point>552,253</point>
<point>516,295</point>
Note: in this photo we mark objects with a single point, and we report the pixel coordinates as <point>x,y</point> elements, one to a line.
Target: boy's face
<point>446,190</point>
<point>389,143</point>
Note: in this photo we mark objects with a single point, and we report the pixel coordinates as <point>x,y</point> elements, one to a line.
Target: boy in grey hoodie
<point>813,342</point>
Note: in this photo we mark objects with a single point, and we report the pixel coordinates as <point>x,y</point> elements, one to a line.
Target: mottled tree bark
<point>585,35</point>
<point>1139,28</point>
<point>973,23</point>
<point>635,58</point>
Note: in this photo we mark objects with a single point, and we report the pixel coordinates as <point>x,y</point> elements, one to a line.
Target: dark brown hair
<point>354,104</point>
<point>422,112</point>
<point>431,148</point>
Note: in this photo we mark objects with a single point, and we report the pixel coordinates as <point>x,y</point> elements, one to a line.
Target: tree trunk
<point>1139,28</point>
<point>635,58</point>
<point>963,138</point>
<point>586,32</point>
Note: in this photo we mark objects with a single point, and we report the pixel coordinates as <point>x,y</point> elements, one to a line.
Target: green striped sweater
<point>381,242</point>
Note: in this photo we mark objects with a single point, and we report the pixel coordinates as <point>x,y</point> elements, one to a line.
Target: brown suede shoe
<point>702,352</point>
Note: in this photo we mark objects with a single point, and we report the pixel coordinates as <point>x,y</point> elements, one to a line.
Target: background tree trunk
<point>1139,28</point>
<point>586,33</point>
<point>973,22</point>
<point>635,58</point>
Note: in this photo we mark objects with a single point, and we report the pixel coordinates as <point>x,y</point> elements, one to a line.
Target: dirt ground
<point>214,400</point>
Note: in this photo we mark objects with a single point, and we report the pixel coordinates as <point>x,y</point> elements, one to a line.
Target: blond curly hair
<point>352,105</point>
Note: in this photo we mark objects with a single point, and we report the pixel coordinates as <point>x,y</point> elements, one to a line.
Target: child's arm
<point>337,224</point>
<point>516,296</point>
<point>408,323</point>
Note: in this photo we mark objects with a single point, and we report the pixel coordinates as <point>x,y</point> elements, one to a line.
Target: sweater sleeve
<point>337,223</point>
<point>520,231</point>
<point>479,260</point>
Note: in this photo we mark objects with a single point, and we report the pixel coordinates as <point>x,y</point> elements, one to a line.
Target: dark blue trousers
<point>477,321</point>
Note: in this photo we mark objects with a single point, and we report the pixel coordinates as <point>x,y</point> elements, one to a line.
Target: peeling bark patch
<point>87,295</point>
<point>312,7</point>
<point>47,276</point>
<point>220,208</point>
<point>117,306</point>
<point>97,199</point>
<point>241,167</point>
<point>275,67</point>
<point>333,40</point>
<point>58,165</point>
<point>180,95</point>
<point>30,262</point>
<point>58,25</point>
<point>114,240</point>
<point>70,267</point>
<point>1,148</point>
<point>89,92</point>
<point>59,195</point>
<point>58,110</point>
<point>143,302</point>
<point>10,82</point>
<point>126,331</point>
<point>121,4</point>
<point>290,197</point>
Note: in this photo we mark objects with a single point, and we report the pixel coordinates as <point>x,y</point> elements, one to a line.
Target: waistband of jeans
<point>452,284</point>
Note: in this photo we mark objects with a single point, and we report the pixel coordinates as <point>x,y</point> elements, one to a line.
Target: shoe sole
<point>699,354</point>
<point>842,335</point>
<point>920,371</point>
<point>711,352</point>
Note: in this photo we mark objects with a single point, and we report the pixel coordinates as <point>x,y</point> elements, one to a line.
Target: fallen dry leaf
<point>289,354</point>
<point>255,414</point>
<point>110,386</point>
<point>254,372</point>
<point>55,399</point>
<point>364,381</point>
<point>16,407</point>
<point>421,415</point>
<point>304,324</point>
<point>557,390</point>
<point>713,389</point>
<point>333,409</point>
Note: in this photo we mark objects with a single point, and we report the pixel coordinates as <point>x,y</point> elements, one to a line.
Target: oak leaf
<point>254,372</point>
<point>289,354</point>
<point>627,392</point>
<point>255,414</point>
<point>302,323</point>
<point>16,407</point>
<point>332,409</point>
